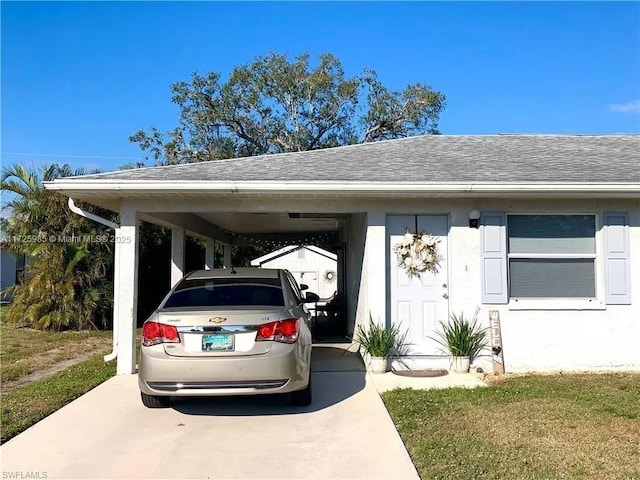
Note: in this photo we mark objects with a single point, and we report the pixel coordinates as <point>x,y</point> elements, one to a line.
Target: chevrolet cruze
<point>238,331</point>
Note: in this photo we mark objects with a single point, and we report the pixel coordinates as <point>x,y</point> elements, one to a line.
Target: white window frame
<point>560,303</point>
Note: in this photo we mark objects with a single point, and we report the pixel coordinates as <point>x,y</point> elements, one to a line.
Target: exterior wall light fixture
<point>474,219</point>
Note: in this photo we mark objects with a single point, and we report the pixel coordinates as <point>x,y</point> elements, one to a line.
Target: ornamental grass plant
<point>379,341</point>
<point>462,337</point>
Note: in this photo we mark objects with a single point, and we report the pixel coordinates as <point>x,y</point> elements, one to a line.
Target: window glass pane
<point>553,278</point>
<point>552,233</point>
<point>224,292</point>
<point>296,289</point>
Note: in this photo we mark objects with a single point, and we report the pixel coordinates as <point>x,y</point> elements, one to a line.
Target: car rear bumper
<point>284,369</point>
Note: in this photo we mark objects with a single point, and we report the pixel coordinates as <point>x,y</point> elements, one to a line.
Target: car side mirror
<point>311,297</point>
<point>304,286</point>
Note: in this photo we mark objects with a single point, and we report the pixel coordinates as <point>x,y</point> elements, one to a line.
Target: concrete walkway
<point>107,433</point>
<point>390,381</point>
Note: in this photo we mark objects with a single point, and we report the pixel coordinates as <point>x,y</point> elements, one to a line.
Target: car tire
<point>302,398</point>
<point>151,401</point>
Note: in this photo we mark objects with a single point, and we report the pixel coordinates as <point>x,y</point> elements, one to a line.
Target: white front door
<point>417,305</point>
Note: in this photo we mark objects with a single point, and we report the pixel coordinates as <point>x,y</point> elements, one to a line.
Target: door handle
<point>444,295</point>
<point>444,285</point>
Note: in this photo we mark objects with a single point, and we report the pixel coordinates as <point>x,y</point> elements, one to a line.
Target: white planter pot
<point>379,364</point>
<point>460,364</point>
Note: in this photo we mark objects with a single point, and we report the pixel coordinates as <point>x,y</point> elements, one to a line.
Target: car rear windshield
<point>224,292</point>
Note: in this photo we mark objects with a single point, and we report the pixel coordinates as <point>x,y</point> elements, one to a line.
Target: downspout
<point>77,210</point>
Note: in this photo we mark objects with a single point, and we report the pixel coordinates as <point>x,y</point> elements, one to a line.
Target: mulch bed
<point>420,373</point>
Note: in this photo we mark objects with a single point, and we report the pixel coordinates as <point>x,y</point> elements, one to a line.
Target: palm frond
<point>64,286</point>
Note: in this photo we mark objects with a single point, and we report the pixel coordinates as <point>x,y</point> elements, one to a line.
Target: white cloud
<point>633,106</point>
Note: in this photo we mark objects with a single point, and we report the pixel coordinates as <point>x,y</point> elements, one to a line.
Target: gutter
<point>83,213</point>
<point>122,187</point>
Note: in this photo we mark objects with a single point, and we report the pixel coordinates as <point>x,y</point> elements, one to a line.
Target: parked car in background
<point>219,332</point>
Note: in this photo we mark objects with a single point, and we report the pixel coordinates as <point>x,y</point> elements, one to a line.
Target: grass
<point>26,405</point>
<point>529,427</point>
<point>24,350</point>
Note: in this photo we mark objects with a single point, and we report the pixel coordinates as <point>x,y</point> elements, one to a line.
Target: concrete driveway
<point>107,433</point>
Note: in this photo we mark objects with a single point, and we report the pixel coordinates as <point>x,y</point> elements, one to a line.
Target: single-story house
<point>541,232</point>
<point>11,269</point>
<point>310,265</point>
<point>8,271</point>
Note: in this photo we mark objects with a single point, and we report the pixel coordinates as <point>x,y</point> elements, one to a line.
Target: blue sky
<point>79,78</point>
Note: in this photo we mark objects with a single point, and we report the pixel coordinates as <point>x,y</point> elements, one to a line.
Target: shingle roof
<point>431,158</point>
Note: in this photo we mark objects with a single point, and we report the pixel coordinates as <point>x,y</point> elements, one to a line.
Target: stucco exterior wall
<point>547,338</point>
<point>544,339</point>
<point>601,339</point>
<point>356,282</point>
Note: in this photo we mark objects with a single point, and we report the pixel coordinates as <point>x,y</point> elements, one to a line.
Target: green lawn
<point>527,427</point>
<point>26,405</point>
<point>25,350</point>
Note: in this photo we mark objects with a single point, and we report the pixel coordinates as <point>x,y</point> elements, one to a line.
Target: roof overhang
<point>251,202</point>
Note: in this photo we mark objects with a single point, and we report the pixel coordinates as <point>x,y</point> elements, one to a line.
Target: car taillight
<point>283,331</point>
<point>154,333</point>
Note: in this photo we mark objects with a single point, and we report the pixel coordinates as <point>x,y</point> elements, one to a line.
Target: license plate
<point>219,342</point>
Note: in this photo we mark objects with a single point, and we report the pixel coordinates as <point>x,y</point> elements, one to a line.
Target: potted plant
<point>463,339</point>
<point>379,343</point>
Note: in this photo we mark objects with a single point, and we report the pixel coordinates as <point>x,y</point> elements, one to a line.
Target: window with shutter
<point>529,257</point>
<point>552,256</point>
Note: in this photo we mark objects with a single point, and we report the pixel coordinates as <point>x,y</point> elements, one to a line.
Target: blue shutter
<point>616,258</point>
<point>493,234</point>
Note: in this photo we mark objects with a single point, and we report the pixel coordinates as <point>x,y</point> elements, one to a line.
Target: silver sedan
<point>238,331</point>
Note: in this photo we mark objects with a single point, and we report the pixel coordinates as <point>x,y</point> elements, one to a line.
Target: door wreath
<point>417,253</point>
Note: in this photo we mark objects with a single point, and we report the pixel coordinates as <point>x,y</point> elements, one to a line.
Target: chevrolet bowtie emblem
<point>218,319</point>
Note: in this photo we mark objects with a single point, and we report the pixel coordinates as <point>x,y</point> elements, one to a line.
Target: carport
<point>251,206</point>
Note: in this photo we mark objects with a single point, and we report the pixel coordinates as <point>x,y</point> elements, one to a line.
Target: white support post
<point>226,256</point>
<point>116,294</point>
<point>126,299</point>
<point>376,258</point>
<point>177,255</point>
<point>209,254</point>
<point>340,278</point>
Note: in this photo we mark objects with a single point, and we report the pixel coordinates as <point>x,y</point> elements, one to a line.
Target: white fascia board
<point>291,249</point>
<point>276,253</point>
<point>134,186</point>
<point>322,251</point>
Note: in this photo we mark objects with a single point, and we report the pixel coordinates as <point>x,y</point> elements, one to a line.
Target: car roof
<point>243,272</point>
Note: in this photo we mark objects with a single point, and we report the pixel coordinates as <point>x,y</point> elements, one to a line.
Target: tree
<point>67,284</point>
<point>274,105</point>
